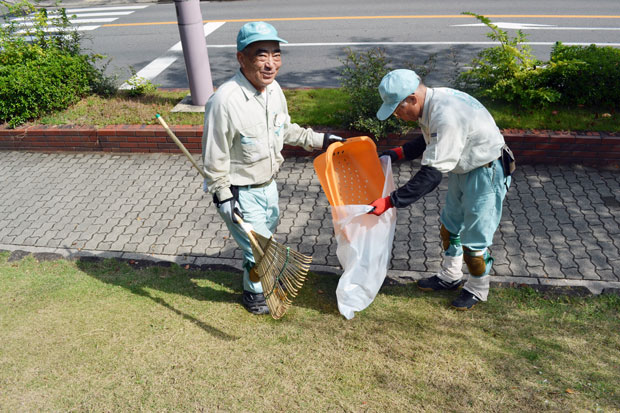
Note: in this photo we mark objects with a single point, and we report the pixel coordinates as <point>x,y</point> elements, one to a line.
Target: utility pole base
<point>186,105</point>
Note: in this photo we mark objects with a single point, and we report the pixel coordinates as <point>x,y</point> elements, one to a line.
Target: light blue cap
<point>394,88</point>
<point>256,32</point>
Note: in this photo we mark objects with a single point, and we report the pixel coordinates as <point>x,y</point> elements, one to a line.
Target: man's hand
<point>328,139</point>
<point>396,154</point>
<point>381,205</point>
<point>229,209</point>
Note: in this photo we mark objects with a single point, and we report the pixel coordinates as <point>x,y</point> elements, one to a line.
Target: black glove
<point>396,154</point>
<point>328,139</point>
<point>228,207</point>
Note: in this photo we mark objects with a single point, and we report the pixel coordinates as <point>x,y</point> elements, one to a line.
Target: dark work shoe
<point>465,301</point>
<point>255,303</point>
<point>435,283</point>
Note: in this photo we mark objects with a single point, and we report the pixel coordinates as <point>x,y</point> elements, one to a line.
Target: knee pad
<point>445,237</point>
<point>449,240</point>
<point>254,277</point>
<point>250,267</point>
<point>478,262</point>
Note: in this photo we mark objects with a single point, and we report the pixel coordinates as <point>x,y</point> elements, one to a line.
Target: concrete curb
<point>529,146</point>
<point>554,286</point>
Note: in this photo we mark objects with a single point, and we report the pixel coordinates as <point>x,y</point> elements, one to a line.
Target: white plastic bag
<point>364,249</point>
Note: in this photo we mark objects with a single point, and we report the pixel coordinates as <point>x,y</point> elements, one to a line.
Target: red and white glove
<point>381,205</point>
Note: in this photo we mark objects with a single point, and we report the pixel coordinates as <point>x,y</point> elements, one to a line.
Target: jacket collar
<point>248,89</point>
<point>427,106</point>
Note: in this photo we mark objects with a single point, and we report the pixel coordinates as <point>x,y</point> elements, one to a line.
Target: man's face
<point>260,62</point>
<point>409,109</point>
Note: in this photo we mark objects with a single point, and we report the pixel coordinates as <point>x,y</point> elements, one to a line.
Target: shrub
<point>50,81</point>
<point>139,86</point>
<point>573,75</point>
<point>360,77</point>
<point>508,72</point>
<point>587,75</point>
<point>42,70</point>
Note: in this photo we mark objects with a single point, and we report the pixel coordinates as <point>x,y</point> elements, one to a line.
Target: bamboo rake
<point>281,270</point>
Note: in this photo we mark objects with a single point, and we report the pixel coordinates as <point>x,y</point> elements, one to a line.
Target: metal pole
<point>189,18</point>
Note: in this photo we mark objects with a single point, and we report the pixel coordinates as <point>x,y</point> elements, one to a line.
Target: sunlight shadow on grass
<point>209,329</point>
<point>166,277</point>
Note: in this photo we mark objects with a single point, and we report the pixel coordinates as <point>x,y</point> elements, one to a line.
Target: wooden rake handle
<point>180,145</point>
<point>251,236</point>
<point>189,156</point>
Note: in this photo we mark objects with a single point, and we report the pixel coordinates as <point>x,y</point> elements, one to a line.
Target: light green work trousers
<point>472,214</point>
<point>260,209</point>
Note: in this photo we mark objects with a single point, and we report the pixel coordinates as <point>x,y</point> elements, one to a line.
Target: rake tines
<point>282,272</point>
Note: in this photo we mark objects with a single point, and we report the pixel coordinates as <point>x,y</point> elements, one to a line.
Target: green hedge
<point>40,70</point>
<point>586,75</point>
<point>50,81</point>
<point>574,75</point>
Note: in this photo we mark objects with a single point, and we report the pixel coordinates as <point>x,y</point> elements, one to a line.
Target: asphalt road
<point>321,31</point>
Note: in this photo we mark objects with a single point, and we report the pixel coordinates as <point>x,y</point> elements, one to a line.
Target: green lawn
<point>314,107</point>
<point>111,336</point>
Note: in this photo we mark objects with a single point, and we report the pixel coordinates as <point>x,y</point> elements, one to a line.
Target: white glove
<point>229,209</point>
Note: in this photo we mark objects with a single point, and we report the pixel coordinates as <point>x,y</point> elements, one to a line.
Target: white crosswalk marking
<point>153,69</point>
<point>114,13</point>
<point>84,19</point>
<point>77,21</point>
<point>134,8</point>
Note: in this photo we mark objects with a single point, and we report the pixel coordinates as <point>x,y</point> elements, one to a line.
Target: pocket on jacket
<point>253,144</point>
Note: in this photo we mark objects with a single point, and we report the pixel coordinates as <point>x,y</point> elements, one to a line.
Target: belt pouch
<point>508,161</point>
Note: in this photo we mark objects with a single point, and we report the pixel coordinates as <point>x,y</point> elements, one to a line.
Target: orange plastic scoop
<point>350,173</point>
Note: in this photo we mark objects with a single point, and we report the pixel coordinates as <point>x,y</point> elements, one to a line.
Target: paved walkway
<point>561,224</point>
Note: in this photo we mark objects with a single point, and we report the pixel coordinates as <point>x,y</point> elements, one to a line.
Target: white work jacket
<point>243,135</point>
<point>460,133</point>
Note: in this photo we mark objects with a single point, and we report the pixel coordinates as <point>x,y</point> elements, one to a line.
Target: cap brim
<point>386,110</point>
<point>259,38</point>
<point>277,39</point>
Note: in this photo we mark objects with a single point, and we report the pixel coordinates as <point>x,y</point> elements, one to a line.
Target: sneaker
<point>255,303</point>
<point>465,301</point>
<point>435,283</point>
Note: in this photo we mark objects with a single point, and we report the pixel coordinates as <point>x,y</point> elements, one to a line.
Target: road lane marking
<point>113,13</point>
<point>217,46</point>
<point>88,9</point>
<point>78,19</point>
<point>438,16</point>
<point>154,68</point>
<point>76,16</point>
<point>529,26</point>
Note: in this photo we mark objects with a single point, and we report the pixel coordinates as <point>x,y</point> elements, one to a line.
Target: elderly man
<point>245,127</point>
<point>460,138</point>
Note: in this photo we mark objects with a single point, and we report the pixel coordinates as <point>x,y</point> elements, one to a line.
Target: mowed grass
<point>112,336</point>
<point>308,107</point>
<point>313,107</point>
